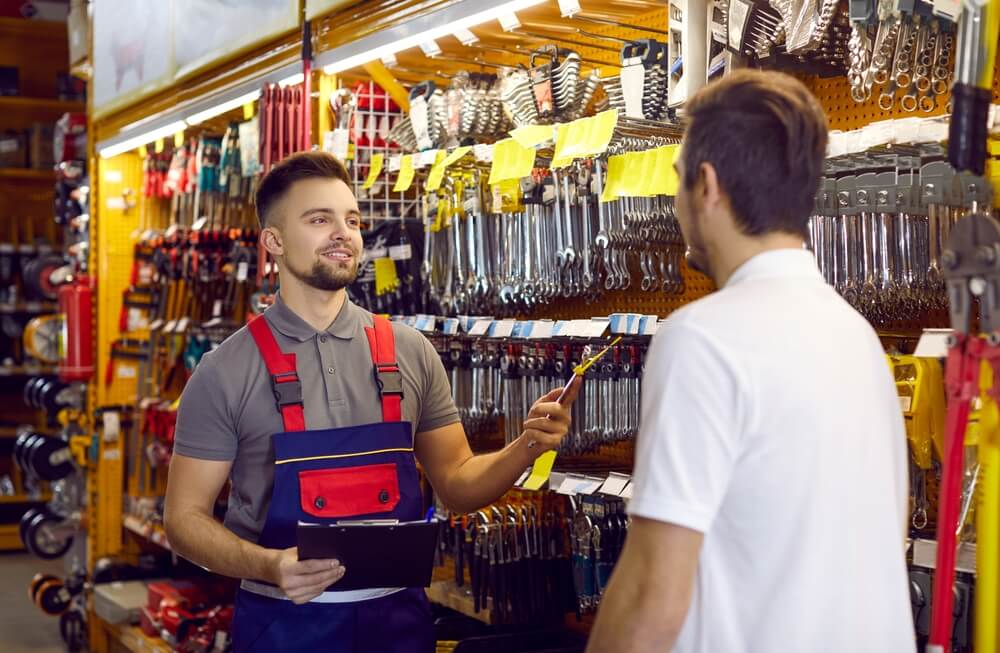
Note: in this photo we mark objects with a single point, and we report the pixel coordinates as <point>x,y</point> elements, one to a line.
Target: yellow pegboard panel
<point>120,183</point>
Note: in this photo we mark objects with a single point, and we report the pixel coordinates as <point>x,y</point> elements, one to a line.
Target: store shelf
<point>24,498</point>
<point>33,28</point>
<point>20,112</point>
<point>450,595</point>
<point>133,639</point>
<point>151,532</point>
<point>27,174</point>
<point>10,539</point>
<point>25,370</point>
<point>29,307</point>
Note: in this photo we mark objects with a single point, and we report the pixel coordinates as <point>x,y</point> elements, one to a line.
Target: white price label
<point>242,270</point>
<point>418,119</point>
<point>933,343</point>
<point>112,425</point>
<point>542,329</point>
<point>569,8</point>
<point>450,326</point>
<point>113,176</point>
<point>378,252</point>
<point>401,252</point>
<point>480,327</point>
<point>182,325</point>
<point>427,158</point>
<point>614,484</point>
<point>596,328</point>
<point>337,143</point>
<point>217,308</point>
<point>503,328</point>
<point>627,492</point>
<point>126,372</point>
<point>483,153</point>
<point>633,77</point>
<point>905,403</point>
<point>523,477</point>
<point>394,163</point>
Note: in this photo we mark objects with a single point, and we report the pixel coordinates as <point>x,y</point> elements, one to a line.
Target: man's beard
<point>322,277</point>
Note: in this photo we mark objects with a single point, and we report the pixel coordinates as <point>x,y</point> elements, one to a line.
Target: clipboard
<point>374,555</point>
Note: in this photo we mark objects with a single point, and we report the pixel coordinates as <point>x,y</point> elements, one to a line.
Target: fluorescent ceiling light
<point>509,21</point>
<point>431,48</point>
<point>389,60</point>
<point>297,78</point>
<point>466,37</point>
<point>436,32</point>
<point>219,109</point>
<point>142,139</point>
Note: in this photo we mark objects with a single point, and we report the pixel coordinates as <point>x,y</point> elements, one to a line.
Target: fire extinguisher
<point>75,304</point>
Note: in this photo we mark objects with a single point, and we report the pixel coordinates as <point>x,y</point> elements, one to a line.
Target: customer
<point>771,467</point>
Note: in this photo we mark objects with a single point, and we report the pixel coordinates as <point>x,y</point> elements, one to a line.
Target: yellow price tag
<point>602,131</point>
<point>179,139</point>
<point>386,279</point>
<point>158,145</point>
<point>511,161</point>
<point>248,110</point>
<point>436,175</point>
<point>532,135</point>
<point>614,178</point>
<point>671,181</point>
<point>143,151</point>
<point>540,471</point>
<point>374,170</point>
<point>406,172</point>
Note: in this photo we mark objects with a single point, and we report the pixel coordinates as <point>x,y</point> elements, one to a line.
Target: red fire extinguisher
<point>75,304</point>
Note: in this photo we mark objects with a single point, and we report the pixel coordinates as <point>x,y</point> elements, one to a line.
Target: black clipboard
<point>374,555</point>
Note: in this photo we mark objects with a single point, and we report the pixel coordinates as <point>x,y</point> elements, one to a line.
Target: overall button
<point>322,338</point>
<point>383,496</point>
<point>330,369</point>
<point>320,503</point>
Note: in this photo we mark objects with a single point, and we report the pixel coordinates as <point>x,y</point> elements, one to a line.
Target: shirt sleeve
<point>437,407</point>
<point>205,428</point>
<point>690,430</point>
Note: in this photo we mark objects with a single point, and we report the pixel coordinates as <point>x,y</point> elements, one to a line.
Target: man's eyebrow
<point>354,213</point>
<point>317,209</point>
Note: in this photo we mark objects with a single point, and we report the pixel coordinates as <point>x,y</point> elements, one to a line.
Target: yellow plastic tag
<point>511,161</point>
<point>179,139</point>
<point>603,130</point>
<point>143,151</point>
<point>248,110</point>
<point>436,175</point>
<point>406,172</point>
<point>532,135</point>
<point>540,471</point>
<point>386,280</point>
<point>374,170</point>
<point>671,181</point>
<point>158,145</point>
<point>614,178</point>
<point>507,196</point>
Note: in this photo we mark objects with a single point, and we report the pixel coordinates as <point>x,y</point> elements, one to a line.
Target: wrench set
<point>809,32</point>
<point>911,58</point>
<point>534,557</point>
<point>878,236</point>
<point>495,381</point>
<point>558,240</point>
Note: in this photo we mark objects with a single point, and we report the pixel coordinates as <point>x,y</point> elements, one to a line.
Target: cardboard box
<point>41,152</point>
<point>13,150</point>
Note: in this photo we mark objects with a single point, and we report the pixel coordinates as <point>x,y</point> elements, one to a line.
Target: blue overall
<point>322,476</point>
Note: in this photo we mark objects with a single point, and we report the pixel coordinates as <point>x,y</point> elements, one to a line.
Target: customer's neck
<point>319,308</point>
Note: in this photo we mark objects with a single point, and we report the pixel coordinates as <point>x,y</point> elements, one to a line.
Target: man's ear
<point>271,239</point>
<point>711,191</point>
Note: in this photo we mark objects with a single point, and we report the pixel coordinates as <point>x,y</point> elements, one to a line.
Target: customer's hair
<point>765,135</point>
<point>304,165</point>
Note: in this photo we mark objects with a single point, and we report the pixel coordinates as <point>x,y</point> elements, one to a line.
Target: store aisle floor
<point>23,627</point>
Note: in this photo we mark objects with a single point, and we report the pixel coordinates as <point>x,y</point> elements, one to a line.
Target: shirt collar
<point>776,263</point>
<point>287,322</point>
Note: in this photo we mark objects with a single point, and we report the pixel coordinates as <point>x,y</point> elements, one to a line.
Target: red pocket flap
<point>349,491</point>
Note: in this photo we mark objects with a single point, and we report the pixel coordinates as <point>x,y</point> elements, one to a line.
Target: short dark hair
<point>303,165</point>
<point>765,134</point>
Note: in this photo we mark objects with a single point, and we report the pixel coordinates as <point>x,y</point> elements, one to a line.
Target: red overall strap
<point>284,379</point>
<point>387,374</point>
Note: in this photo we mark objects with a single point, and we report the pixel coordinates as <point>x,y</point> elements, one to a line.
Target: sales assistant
<point>317,411</point>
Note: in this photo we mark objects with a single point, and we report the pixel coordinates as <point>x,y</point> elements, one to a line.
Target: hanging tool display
<point>797,35</point>
<point>533,557</point>
<point>282,131</point>
<point>910,56</point>
<point>879,236</point>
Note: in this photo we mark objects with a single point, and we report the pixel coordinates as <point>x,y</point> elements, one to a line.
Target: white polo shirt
<point>770,423</point>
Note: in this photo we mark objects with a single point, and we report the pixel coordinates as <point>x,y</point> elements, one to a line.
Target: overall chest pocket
<point>349,491</point>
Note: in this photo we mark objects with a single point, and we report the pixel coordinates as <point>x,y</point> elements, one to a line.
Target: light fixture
<point>221,108</point>
<point>509,21</point>
<point>431,48</point>
<point>382,45</point>
<point>389,61</point>
<point>297,78</point>
<point>133,142</point>
<point>466,37</point>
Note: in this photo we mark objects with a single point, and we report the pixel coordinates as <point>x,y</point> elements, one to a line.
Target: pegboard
<point>631,300</point>
<point>844,114</point>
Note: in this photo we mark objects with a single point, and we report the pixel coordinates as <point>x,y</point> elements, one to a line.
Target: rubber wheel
<point>41,543</point>
<point>36,584</point>
<point>52,598</point>
<point>73,630</point>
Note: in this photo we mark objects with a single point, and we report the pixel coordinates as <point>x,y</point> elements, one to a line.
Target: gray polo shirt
<point>228,411</point>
